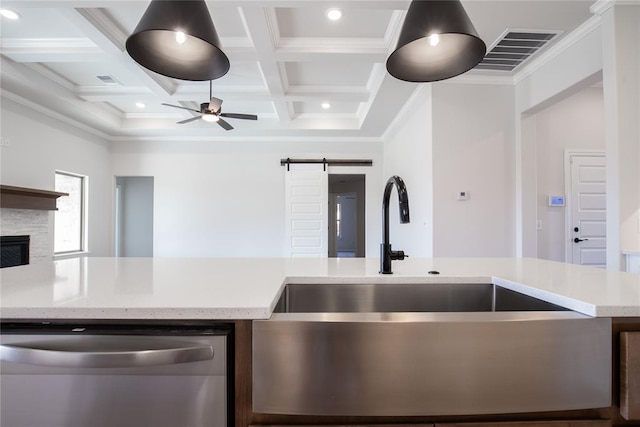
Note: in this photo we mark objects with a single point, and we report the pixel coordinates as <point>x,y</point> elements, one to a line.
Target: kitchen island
<point>240,291</point>
<point>243,288</point>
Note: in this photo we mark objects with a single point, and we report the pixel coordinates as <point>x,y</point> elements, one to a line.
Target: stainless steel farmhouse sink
<point>426,349</point>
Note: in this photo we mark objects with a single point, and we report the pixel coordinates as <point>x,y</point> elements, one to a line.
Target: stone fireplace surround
<point>26,211</point>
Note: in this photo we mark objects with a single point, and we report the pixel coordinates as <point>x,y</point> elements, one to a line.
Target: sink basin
<point>390,298</point>
<point>426,349</point>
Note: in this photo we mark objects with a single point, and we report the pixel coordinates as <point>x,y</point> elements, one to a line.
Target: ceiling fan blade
<point>223,124</point>
<point>239,116</point>
<point>178,106</point>
<point>188,120</point>
<point>215,104</point>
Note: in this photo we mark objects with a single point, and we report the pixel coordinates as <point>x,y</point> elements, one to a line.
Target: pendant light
<point>177,39</point>
<point>437,42</point>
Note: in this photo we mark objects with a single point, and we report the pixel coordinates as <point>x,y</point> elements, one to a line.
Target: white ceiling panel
<point>312,22</point>
<point>45,23</point>
<point>328,73</point>
<point>127,105</point>
<point>242,73</point>
<point>334,108</point>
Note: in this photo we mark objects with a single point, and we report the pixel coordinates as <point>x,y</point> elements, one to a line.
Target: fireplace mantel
<point>28,198</point>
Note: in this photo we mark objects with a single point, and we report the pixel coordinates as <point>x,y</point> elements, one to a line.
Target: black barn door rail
<point>326,162</point>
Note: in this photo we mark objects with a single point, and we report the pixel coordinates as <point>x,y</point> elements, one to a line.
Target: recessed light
<point>10,14</point>
<point>325,105</point>
<point>334,14</point>
<point>140,104</point>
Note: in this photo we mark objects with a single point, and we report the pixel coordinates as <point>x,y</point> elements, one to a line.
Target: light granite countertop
<point>248,288</point>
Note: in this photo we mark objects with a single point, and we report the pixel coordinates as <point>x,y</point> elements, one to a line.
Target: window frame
<point>83,214</point>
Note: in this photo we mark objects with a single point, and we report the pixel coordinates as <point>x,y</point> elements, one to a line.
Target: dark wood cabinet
<point>630,375</point>
<point>579,423</point>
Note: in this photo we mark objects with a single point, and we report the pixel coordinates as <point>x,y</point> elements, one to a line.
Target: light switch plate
<point>463,195</point>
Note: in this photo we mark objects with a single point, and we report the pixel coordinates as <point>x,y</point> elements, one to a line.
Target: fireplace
<point>15,250</point>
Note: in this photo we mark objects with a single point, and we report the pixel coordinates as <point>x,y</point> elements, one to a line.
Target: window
<point>69,218</point>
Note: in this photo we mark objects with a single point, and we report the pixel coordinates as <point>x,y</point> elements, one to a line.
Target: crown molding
<point>548,55</point>
<point>271,21</point>
<point>393,29</point>
<point>106,25</point>
<point>54,115</point>
<point>601,6</point>
<point>418,95</point>
<point>51,75</point>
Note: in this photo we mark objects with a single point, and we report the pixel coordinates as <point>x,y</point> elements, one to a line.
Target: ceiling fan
<point>212,112</point>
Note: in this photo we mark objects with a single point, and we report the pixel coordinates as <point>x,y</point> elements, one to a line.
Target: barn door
<point>306,216</point>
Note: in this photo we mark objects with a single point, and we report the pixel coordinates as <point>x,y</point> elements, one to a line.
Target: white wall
<point>576,122</point>
<point>408,154</point>
<point>227,199</point>
<point>526,187</point>
<point>34,146</point>
<point>473,151</point>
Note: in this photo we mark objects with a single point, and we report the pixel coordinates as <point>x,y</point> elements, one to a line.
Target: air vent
<point>515,48</point>
<point>109,81</point>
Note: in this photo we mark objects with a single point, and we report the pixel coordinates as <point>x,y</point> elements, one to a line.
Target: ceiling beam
<point>262,28</point>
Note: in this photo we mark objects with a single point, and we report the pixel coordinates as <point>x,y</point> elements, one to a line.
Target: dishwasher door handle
<point>101,358</point>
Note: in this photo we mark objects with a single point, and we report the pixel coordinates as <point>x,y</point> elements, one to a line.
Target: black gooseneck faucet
<point>386,254</point>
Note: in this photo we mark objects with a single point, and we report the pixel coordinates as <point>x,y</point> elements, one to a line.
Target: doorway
<point>346,216</point>
<point>134,216</point>
<point>586,212</point>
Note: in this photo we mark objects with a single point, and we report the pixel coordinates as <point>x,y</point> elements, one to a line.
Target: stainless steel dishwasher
<point>115,375</point>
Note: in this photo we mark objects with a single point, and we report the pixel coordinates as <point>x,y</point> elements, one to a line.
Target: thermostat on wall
<point>556,200</point>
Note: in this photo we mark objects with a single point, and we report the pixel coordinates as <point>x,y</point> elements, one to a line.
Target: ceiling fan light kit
<point>177,39</point>
<point>212,112</point>
<point>210,117</point>
<point>437,41</point>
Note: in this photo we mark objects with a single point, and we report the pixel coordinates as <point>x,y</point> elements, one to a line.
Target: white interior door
<point>587,232</point>
<point>306,216</point>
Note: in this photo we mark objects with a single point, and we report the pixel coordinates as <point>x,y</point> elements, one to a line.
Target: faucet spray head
<point>403,199</point>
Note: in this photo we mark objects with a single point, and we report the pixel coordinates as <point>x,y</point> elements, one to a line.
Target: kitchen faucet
<point>386,254</point>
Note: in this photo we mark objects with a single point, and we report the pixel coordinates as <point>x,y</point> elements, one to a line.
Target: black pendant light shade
<point>437,42</point>
<point>177,39</point>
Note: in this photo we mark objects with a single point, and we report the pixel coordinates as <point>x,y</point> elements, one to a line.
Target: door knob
<point>577,240</point>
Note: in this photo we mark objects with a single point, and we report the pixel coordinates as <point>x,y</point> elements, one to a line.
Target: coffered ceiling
<point>287,59</point>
